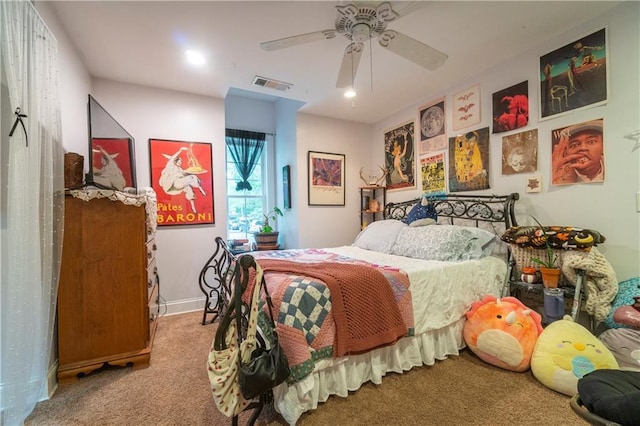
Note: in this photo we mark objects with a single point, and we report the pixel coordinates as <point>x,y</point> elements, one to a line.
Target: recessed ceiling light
<point>195,57</point>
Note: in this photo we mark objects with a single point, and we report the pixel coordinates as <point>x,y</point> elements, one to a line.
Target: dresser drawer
<point>153,280</point>
<point>151,251</point>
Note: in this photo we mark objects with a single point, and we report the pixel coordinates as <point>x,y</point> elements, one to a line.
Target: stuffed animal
<point>502,332</point>
<point>565,352</point>
<point>624,344</point>
<point>625,308</point>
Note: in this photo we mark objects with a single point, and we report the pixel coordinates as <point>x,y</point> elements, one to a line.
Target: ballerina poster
<point>182,178</point>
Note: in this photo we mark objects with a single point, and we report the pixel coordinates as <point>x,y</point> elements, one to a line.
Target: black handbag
<point>267,367</point>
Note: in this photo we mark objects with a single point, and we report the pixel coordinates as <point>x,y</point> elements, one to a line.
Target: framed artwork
<point>326,179</point>
<point>469,161</point>
<point>466,108</point>
<point>432,127</point>
<point>520,152</point>
<point>511,108</point>
<point>181,176</point>
<point>574,76</point>
<point>399,157</point>
<point>286,186</point>
<point>112,163</point>
<point>577,153</point>
<point>534,183</point>
<point>432,169</point>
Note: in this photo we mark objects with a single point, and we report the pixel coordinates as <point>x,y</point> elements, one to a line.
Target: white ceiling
<point>144,42</point>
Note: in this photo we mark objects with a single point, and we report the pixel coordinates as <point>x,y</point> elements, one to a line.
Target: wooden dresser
<point>108,295</point>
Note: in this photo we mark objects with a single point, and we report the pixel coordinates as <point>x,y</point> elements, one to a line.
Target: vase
<point>550,277</point>
<point>530,275</point>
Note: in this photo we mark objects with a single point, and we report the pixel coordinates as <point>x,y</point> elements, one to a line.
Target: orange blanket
<point>364,309</point>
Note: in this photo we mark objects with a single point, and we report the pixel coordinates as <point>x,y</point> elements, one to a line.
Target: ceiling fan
<point>359,22</point>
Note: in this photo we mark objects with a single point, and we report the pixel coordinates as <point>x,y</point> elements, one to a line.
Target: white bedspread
<point>442,293</point>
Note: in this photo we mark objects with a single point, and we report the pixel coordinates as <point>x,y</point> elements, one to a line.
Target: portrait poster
<point>399,157</point>
<point>511,108</point>
<point>574,76</point>
<point>433,174</point>
<point>326,179</point>
<point>432,127</point>
<point>466,108</point>
<point>577,153</point>
<point>182,177</point>
<point>520,152</point>
<point>469,161</point>
<point>112,163</point>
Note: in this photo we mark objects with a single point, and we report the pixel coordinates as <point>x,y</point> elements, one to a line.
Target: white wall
<point>608,207</point>
<point>155,113</point>
<point>330,226</point>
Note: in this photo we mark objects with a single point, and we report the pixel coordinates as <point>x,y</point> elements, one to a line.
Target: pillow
<point>423,222</point>
<point>485,242</point>
<point>380,235</point>
<point>421,211</point>
<point>502,332</point>
<point>560,237</point>
<point>565,352</point>
<point>624,344</point>
<point>448,243</point>
<point>625,308</point>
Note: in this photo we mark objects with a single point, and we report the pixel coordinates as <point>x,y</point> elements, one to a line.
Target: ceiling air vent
<point>271,83</point>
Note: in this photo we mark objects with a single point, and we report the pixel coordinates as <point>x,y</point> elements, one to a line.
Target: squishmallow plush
<point>502,332</point>
<point>625,308</point>
<point>565,352</point>
<point>624,344</point>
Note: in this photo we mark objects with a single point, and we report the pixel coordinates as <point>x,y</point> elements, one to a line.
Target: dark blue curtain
<point>245,148</point>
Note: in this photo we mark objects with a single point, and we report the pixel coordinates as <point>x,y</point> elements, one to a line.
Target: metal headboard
<point>459,208</point>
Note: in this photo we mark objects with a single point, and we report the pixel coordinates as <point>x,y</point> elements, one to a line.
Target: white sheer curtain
<point>31,205</point>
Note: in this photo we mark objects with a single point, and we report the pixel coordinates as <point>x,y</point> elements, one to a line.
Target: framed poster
<point>400,157</point>
<point>112,163</point>
<point>520,152</point>
<point>574,76</point>
<point>511,108</point>
<point>469,161</point>
<point>433,169</point>
<point>286,186</point>
<point>466,108</point>
<point>577,153</point>
<point>432,127</point>
<point>326,179</point>
<point>182,178</point>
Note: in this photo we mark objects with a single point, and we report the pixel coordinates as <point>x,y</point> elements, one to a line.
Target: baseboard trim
<point>52,380</point>
<point>182,306</point>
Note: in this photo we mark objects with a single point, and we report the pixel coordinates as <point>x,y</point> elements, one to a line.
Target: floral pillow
<point>560,237</point>
<point>449,243</point>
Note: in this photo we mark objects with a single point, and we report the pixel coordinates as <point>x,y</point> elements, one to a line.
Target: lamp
<point>351,91</point>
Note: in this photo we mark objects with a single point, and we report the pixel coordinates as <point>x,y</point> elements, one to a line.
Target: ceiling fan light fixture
<point>350,93</point>
<point>194,57</point>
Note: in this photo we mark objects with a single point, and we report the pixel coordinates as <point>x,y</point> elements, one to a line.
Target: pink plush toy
<point>502,332</point>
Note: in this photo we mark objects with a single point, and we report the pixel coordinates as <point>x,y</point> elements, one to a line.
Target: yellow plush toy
<point>565,352</point>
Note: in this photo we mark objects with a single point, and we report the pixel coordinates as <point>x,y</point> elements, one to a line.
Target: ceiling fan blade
<point>404,8</point>
<point>349,66</point>
<point>283,43</point>
<point>412,49</point>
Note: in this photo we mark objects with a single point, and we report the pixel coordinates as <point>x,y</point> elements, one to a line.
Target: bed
<point>433,273</point>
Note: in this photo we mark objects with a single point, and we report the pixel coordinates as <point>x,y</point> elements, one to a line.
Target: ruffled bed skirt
<point>340,375</point>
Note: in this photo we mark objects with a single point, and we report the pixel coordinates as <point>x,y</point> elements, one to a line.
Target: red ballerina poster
<point>181,176</point>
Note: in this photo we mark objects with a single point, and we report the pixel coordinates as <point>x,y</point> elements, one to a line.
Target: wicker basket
<point>524,255</point>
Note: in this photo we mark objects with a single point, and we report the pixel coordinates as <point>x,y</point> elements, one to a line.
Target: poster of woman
<point>182,179</point>
<point>469,161</point>
<point>399,157</point>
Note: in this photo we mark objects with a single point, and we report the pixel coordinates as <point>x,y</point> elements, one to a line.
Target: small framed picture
<point>466,108</point>
<point>112,163</point>
<point>326,179</point>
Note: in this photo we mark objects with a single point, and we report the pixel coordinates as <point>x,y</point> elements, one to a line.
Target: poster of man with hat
<point>578,153</point>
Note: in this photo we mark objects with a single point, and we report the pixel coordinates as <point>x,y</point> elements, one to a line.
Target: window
<point>245,207</point>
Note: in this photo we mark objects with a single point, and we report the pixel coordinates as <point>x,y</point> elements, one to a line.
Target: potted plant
<point>266,237</point>
<point>550,272</point>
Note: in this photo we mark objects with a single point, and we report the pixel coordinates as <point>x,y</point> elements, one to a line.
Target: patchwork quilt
<point>303,306</point>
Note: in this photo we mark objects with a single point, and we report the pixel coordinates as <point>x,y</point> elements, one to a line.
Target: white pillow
<point>423,222</point>
<point>380,235</point>
<point>484,244</point>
